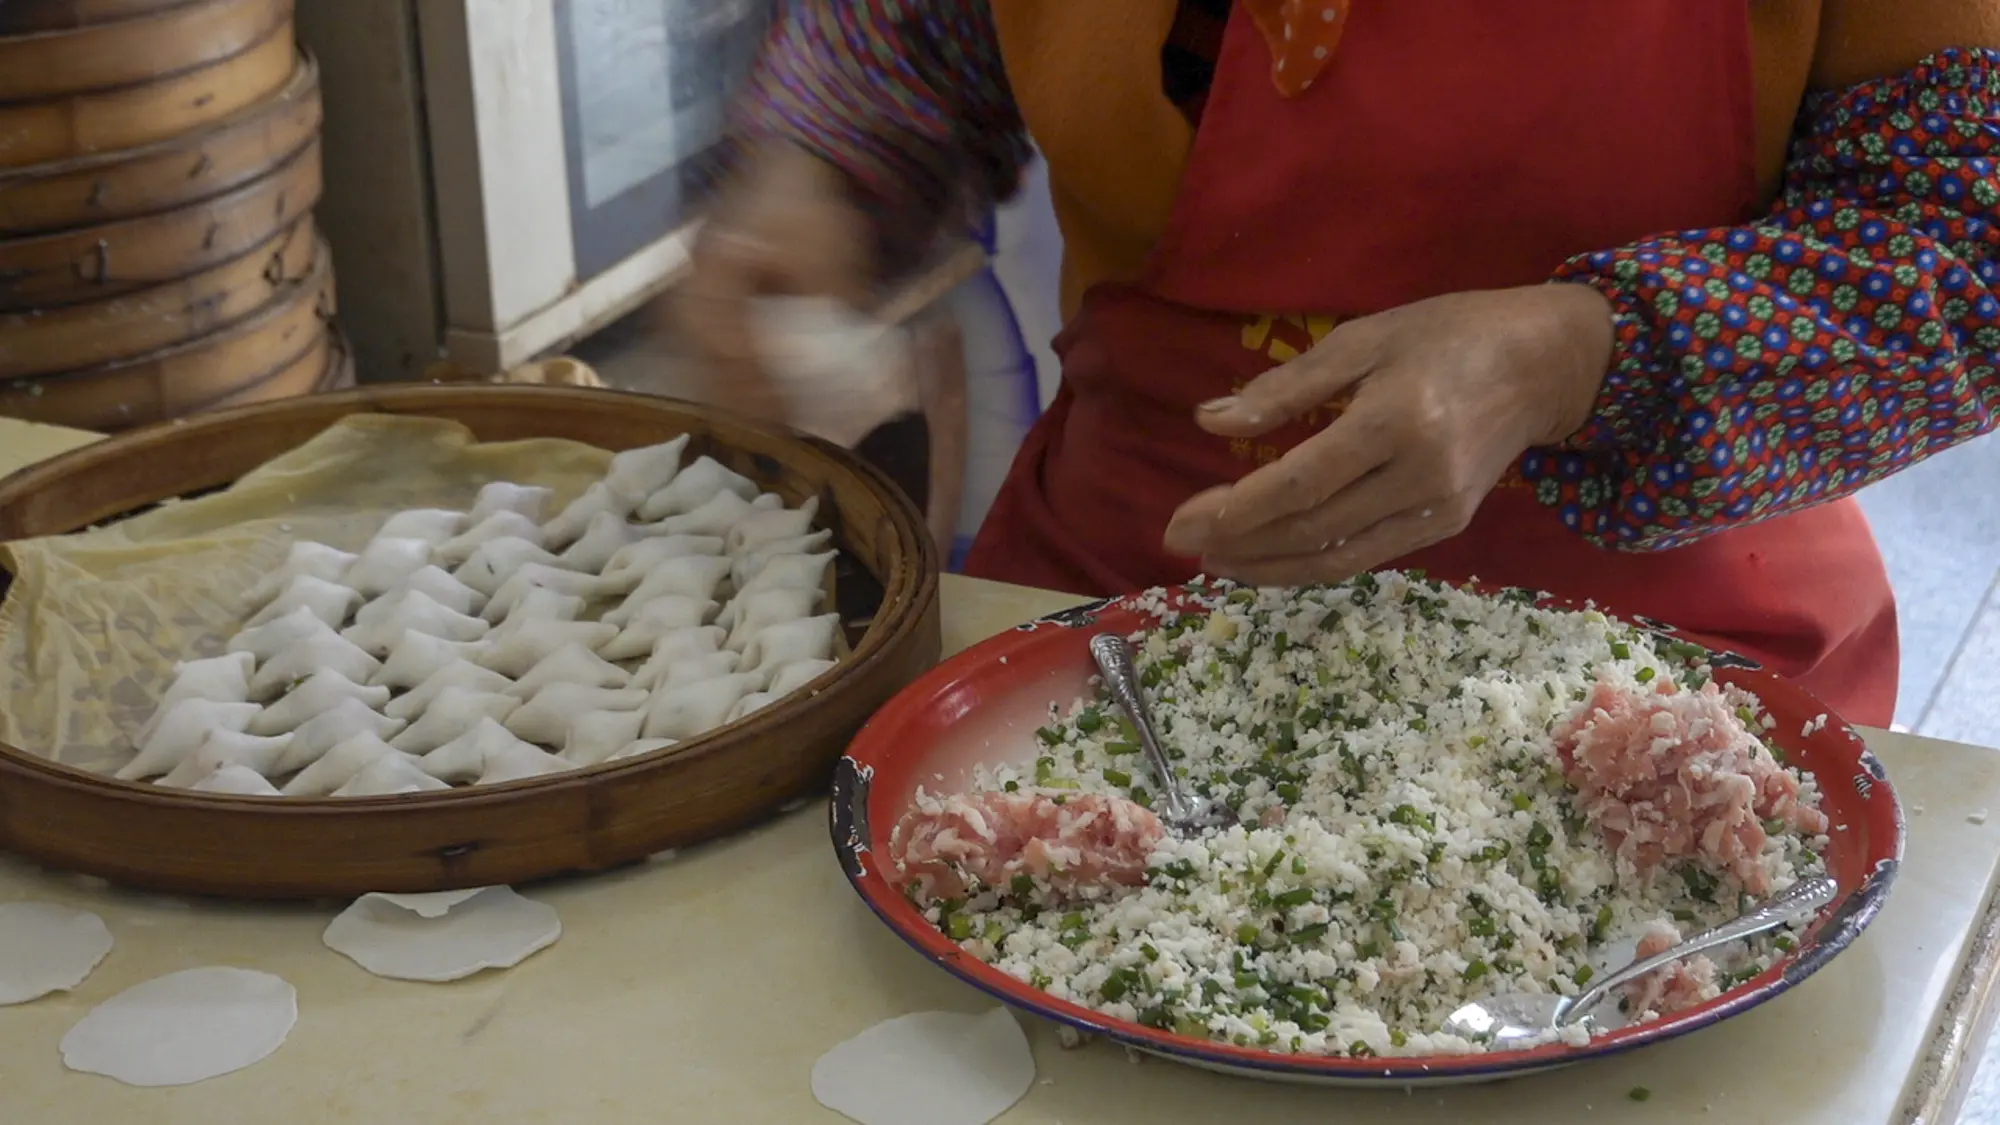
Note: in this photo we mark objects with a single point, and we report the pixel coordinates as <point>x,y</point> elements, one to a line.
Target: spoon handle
<point>1114,662</point>
<point>1804,897</point>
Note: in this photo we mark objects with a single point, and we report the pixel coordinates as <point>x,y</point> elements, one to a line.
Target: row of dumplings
<point>491,645</point>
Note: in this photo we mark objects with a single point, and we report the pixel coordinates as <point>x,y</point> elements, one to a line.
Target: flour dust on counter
<point>444,936</point>
<point>184,1027</point>
<point>46,948</point>
<point>928,1068</point>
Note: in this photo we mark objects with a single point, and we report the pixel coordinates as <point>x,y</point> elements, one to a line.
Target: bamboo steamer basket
<point>72,267</point>
<point>55,129</point>
<point>44,342</point>
<point>105,56</point>
<point>586,820</point>
<point>173,173</point>
<point>21,16</point>
<point>192,376</point>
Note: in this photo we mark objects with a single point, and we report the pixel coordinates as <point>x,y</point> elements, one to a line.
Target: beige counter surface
<point>701,987</point>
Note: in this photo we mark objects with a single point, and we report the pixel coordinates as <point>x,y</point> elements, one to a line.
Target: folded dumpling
<point>574,520</point>
<point>413,609</point>
<point>694,486</point>
<point>520,761</point>
<point>594,737</point>
<point>432,525</point>
<point>798,674</point>
<point>747,614</point>
<point>453,711</point>
<point>544,604</point>
<point>570,664</point>
<point>463,759</point>
<point>433,582</point>
<point>632,562</point>
<point>606,535</point>
<point>516,652</point>
<point>636,474</point>
<point>301,660</point>
<point>416,657</point>
<point>680,645</point>
<point>265,641</point>
<point>653,620</point>
<point>329,729</point>
<point>749,705</point>
<point>180,731</point>
<point>320,691</point>
<point>546,717</point>
<point>722,512</point>
<point>388,776</point>
<point>527,500</point>
<point>689,576</point>
<point>500,525</point>
<point>338,766</point>
<point>687,710</point>
<point>691,669</point>
<point>497,560</point>
<point>790,572</point>
<point>219,679</point>
<point>330,602</point>
<point>538,575</point>
<point>386,562</point>
<point>642,746</point>
<point>758,528</point>
<point>227,748</point>
<point>788,642</point>
<point>456,674</point>
<point>237,781</point>
<point>746,565</point>
<point>305,558</point>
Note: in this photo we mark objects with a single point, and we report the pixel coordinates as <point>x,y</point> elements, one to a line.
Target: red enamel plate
<point>984,705</point>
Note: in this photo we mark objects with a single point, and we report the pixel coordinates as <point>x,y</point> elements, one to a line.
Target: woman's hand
<point>1443,395</point>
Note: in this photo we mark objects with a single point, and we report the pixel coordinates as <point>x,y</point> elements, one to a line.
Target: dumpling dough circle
<point>47,948</point>
<point>184,1027</point>
<point>936,1068</point>
<point>393,937</point>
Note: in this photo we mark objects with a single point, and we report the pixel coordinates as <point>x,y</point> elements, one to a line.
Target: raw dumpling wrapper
<point>218,679</point>
<point>527,500</point>
<point>570,664</point>
<point>539,576</point>
<point>653,620</point>
<point>516,653</point>
<point>47,948</point>
<point>454,710</point>
<point>694,486</point>
<point>181,731</point>
<point>417,610</point>
<point>575,519</point>
<point>937,1068</point>
<point>457,673</point>
<point>184,1027</point>
<point>385,562</point>
<point>236,781</point>
<point>343,721</point>
<point>630,564</point>
<point>431,525</point>
<point>788,642</point>
<point>636,474</point>
<point>687,710</point>
<point>464,758</point>
<point>596,736</point>
<point>305,558</point>
<point>500,525</point>
<point>228,748</point>
<point>547,717</point>
<point>493,929</point>
<point>320,691</point>
<point>388,776</point>
<point>301,660</point>
<point>688,576</point>
<point>328,601</point>
<point>432,581</point>
<point>418,656</point>
<point>497,560</point>
<point>338,766</point>
<point>759,528</point>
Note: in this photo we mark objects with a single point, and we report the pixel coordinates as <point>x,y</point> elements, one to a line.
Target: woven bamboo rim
<point>172,173</point>
<point>127,52</point>
<point>583,821</point>
<point>18,17</point>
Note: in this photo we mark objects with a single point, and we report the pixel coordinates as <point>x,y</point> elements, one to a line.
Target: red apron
<point>1450,145</point>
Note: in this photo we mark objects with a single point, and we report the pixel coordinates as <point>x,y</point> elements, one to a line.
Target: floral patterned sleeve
<point>909,97</point>
<point>1855,330</point>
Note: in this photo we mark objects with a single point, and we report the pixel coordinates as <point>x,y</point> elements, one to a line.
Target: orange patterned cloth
<point>1303,35</point>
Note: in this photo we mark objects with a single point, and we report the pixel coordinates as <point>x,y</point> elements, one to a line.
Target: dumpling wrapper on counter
<point>184,1027</point>
<point>47,948</point>
<point>320,691</point>
<point>331,602</point>
<point>493,928</point>
<point>928,1068</point>
<point>529,500</point>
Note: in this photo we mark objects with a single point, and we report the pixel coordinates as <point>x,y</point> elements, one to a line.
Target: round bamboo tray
<point>191,376</point>
<point>71,267</point>
<point>167,174</point>
<point>77,336</point>
<point>21,16</point>
<point>588,820</point>
<point>103,121</point>
<point>105,56</point>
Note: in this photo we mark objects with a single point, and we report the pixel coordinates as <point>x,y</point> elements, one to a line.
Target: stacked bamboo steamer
<point>159,162</point>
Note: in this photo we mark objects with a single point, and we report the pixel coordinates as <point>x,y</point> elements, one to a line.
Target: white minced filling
<point>1406,839</point>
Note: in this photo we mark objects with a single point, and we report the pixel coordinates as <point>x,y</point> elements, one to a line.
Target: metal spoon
<point>1185,812</point>
<point>1527,1015</point>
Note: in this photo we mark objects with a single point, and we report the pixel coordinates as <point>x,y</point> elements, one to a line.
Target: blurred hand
<point>1445,395</point>
<point>786,227</point>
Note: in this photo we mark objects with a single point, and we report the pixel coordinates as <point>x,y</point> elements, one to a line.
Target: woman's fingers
<point>1290,390</point>
<point>1376,496</point>
<point>1354,445</point>
<point>1384,542</point>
